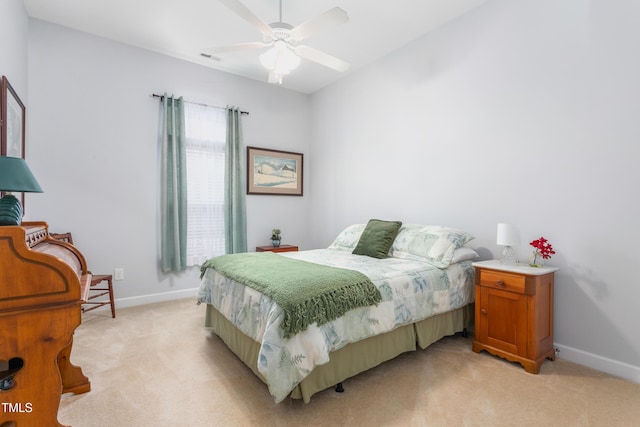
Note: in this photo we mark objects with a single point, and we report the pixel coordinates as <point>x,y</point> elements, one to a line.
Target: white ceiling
<point>183,28</point>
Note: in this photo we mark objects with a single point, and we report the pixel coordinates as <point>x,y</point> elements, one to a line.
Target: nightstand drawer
<point>502,280</point>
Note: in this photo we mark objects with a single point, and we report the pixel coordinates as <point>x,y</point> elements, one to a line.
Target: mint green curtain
<point>173,175</point>
<point>235,211</point>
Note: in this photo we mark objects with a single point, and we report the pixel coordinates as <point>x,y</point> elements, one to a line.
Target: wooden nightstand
<point>281,248</point>
<point>514,312</point>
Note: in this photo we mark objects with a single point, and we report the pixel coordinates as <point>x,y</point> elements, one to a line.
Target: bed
<point>422,274</point>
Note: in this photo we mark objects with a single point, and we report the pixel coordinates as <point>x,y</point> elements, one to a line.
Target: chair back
<point>64,237</point>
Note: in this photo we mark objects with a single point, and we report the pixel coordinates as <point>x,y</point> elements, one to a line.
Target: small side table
<point>514,312</point>
<point>281,248</point>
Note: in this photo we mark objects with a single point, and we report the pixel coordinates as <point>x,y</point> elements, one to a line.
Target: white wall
<point>520,112</point>
<point>93,147</point>
<point>523,112</point>
<point>14,32</point>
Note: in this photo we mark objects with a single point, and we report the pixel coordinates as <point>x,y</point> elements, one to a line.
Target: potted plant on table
<point>275,237</point>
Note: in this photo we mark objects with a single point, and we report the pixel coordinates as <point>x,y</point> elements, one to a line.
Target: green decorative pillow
<point>377,238</point>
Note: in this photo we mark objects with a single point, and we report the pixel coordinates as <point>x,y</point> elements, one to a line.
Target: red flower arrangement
<point>543,249</point>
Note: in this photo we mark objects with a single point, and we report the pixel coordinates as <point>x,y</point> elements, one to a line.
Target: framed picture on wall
<point>12,125</point>
<point>12,120</point>
<point>274,172</point>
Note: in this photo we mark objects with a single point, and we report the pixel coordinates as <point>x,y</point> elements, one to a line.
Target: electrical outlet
<point>118,274</point>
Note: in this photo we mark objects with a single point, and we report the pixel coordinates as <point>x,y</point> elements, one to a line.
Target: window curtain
<point>173,198</point>
<point>235,214</point>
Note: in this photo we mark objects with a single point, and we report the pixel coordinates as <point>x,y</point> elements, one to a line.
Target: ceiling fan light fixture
<point>280,59</point>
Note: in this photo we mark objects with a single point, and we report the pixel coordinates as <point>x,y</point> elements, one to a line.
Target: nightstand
<point>281,248</point>
<point>514,312</point>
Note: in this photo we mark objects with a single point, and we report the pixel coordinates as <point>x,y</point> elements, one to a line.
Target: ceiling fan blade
<point>235,48</point>
<point>248,16</point>
<point>322,58</point>
<point>329,19</point>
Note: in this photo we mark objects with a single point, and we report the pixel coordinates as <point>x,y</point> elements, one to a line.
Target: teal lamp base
<point>10,210</point>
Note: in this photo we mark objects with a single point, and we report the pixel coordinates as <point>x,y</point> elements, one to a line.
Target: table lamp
<point>508,236</point>
<point>14,176</point>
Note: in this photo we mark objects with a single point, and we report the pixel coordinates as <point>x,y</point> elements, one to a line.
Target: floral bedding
<point>411,291</point>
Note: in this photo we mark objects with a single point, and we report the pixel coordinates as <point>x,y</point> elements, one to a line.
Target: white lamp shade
<point>508,235</point>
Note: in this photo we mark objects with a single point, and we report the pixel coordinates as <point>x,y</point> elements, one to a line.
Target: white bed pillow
<point>431,243</point>
<point>348,238</point>
<point>464,254</point>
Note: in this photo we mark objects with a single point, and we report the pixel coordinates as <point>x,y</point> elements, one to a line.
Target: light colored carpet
<point>156,365</point>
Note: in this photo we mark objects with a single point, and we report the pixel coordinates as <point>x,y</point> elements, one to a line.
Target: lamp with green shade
<point>14,176</point>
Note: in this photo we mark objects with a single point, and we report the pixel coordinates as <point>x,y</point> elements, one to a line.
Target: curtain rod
<point>155,95</point>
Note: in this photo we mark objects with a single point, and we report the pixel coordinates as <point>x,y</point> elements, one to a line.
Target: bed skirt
<point>352,359</point>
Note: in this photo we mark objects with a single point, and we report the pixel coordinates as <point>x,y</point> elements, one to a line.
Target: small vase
<point>536,260</point>
<point>275,242</point>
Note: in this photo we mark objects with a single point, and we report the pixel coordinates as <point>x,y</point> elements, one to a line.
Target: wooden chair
<point>104,280</point>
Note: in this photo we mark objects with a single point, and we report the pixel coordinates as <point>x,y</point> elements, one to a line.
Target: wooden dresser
<point>514,312</point>
<point>42,285</point>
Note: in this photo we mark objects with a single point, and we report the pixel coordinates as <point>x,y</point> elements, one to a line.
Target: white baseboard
<point>600,363</point>
<point>150,299</point>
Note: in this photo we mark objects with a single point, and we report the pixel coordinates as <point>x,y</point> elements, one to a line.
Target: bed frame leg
<point>339,388</point>
<point>465,333</point>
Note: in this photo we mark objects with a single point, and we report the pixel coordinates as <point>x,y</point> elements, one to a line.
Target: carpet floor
<point>156,365</point>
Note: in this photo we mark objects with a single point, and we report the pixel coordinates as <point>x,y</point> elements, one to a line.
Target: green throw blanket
<point>305,291</point>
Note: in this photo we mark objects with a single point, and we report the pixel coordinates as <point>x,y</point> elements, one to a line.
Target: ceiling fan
<point>283,40</point>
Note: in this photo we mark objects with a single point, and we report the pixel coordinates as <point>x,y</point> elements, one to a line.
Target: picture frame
<point>12,125</point>
<point>12,122</point>
<point>274,172</point>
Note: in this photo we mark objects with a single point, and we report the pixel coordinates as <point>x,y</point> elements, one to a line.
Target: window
<point>205,132</point>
